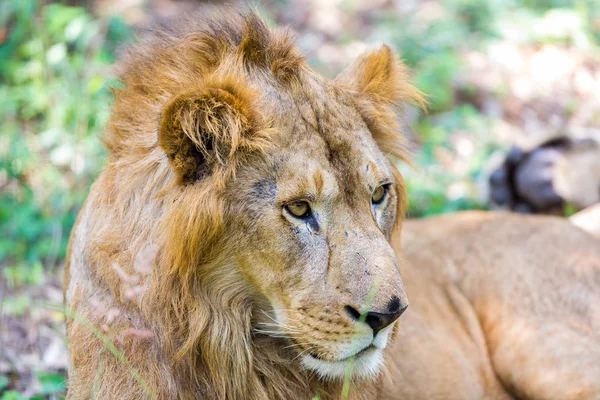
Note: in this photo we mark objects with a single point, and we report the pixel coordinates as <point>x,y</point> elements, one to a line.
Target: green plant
<point>51,383</point>
<point>55,83</point>
<point>3,382</point>
<point>12,395</point>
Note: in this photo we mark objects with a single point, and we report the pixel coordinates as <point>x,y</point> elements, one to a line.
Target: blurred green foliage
<point>54,77</point>
<point>51,387</point>
<point>433,51</point>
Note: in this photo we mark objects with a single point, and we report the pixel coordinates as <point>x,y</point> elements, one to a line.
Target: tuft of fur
<point>180,57</point>
<point>209,125</point>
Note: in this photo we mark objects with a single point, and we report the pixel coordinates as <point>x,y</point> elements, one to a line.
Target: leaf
<point>17,306</point>
<point>51,383</point>
<point>12,395</point>
<point>3,382</point>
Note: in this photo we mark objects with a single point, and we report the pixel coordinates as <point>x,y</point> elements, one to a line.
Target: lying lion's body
<point>190,259</point>
<point>502,306</point>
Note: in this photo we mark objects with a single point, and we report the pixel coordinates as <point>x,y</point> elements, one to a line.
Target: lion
<point>242,242</point>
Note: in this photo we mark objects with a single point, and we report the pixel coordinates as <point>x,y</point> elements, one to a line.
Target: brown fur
<point>185,258</point>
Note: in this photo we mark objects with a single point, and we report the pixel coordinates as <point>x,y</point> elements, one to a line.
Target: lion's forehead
<point>318,105</point>
<point>307,173</point>
<point>342,147</point>
<point>322,130</point>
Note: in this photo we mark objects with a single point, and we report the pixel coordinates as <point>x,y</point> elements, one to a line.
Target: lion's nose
<point>378,320</point>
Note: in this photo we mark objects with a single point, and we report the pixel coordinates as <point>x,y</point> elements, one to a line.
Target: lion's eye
<point>379,194</point>
<point>299,209</point>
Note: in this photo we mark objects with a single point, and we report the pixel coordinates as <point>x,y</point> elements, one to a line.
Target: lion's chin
<point>365,365</point>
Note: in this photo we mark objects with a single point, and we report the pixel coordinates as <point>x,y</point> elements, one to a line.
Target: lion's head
<point>273,192</point>
<point>307,198</point>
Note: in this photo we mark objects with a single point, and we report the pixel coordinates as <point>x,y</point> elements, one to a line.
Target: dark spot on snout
<point>346,233</point>
<point>394,304</point>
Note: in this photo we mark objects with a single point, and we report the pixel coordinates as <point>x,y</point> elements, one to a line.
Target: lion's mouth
<point>359,353</point>
<point>365,363</point>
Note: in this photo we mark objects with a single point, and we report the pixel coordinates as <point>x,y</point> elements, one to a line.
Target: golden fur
<point>503,306</point>
<point>184,255</point>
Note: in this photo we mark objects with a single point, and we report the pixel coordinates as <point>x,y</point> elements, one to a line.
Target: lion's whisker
<point>297,345</point>
<point>286,327</point>
<point>273,333</point>
<point>303,352</point>
<point>278,322</point>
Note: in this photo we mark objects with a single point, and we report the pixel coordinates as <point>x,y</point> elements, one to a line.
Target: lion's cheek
<point>268,275</point>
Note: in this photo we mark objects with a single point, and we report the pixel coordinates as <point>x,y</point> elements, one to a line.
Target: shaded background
<point>498,73</point>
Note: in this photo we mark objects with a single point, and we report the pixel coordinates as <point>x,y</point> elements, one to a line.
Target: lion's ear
<point>383,77</point>
<point>209,126</point>
<point>382,86</point>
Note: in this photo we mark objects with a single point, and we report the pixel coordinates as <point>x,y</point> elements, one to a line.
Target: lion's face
<point>310,205</point>
<point>314,218</point>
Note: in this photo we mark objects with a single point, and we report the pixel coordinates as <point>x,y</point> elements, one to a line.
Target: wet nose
<point>378,320</point>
